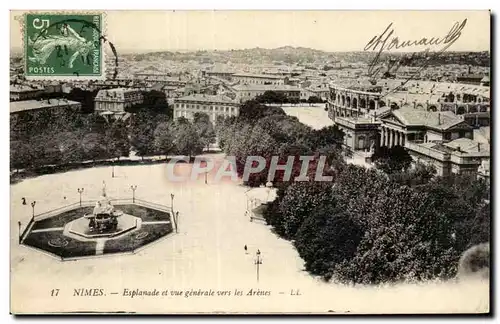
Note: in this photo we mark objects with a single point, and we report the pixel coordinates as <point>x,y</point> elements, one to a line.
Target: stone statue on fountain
<point>104,217</point>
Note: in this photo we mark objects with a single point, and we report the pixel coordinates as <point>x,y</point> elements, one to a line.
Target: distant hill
<point>287,54</point>
<point>298,55</point>
<point>304,55</point>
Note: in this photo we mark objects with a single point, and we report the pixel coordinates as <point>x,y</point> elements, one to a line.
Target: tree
<point>421,174</point>
<point>411,234</point>
<point>473,190</point>
<point>164,138</point>
<point>19,154</point>
<point>248,141</point>
<point>300,199</point>
<point>358,191</point>
<point>225,127</point>
<point>391,160</point>
<point>51,151</point>
<point>204,128</point>
<point>325,137</point>
<point>284,129</point>
<point>70,146</point>
<point>142,128</point>
<point>251,110</point>
<point>186,139</point>
<point>466,204</point>
<point>272,97</point>
<point>326,238</point>
<point>154,101</point>
<point>117,140</point>
<point>93,146</point>
<point>314,99</point>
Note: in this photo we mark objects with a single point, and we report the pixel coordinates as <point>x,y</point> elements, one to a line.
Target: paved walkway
<point>99,247</point>
<point>48,229</point>
<point>155,222</point>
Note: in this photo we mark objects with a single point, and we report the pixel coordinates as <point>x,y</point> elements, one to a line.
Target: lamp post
<point>258,262</point>
<point>33,208</point>
<point>176,221</point>
<point>19,224</point>
<point>134,187</point>
<point>172,202</point>
<point>204,164</point>
<point>113,169</point>
<point>80,191</point>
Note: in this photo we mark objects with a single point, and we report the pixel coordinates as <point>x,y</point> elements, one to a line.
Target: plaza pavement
<point>208,253</point>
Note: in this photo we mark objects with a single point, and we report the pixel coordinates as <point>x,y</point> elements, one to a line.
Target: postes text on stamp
<point>63,45</point>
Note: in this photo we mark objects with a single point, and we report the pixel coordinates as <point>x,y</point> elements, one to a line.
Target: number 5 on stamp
<point>62,46</point>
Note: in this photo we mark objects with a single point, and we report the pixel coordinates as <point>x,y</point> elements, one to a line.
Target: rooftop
<point>220,71</point>
<point>17,106</point>
<point>119,90</point>
<point>403,87</point>
<point>265,87</point>
<point>250,75</point>
<point>357,120</point>
<point>469,146</point>
<point>207,98</point>
<point>413,97</point>
<point>22,88</point>
<point>114,93</point>
<point>439,120</point>
<point>380,112</point>
<point>459,148</point>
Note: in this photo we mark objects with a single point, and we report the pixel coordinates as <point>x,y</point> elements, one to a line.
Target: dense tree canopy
<point>396,232</point>
<point>391,160</point>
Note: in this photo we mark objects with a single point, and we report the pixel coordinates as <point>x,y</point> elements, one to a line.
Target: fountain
<point>103,226</point>
<point>104,218</point>
<point>105,221</point>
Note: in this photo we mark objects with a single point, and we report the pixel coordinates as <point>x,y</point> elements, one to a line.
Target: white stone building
<point>212,105</point>
<point>265,79</point>
<point>246,92</point>
<point>116,100</point>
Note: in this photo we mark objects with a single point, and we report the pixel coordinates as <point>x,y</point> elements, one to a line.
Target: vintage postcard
<point>250,162</point>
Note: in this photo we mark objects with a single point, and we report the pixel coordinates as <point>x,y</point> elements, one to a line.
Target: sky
<point>142,31</point>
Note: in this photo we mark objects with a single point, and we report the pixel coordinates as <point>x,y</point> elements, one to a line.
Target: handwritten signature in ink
<point>387,41</point>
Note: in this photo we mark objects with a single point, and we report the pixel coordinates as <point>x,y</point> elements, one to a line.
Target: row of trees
<point>267,132</point>
<point>181,136</point>
<point>368,228</point>
<point>273,97</point>
<point>88,143</point>
<point>396,222</point>
<point>53,137</point>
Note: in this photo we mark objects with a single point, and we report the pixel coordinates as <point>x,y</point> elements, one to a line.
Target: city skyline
<point>238,30</point>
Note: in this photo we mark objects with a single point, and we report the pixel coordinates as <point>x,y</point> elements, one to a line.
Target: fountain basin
<point>79,228</point>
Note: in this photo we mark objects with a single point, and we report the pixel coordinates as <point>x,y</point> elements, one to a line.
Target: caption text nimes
<point>184,293</point>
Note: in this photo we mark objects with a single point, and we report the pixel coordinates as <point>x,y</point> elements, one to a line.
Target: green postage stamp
<point>64,46</point>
